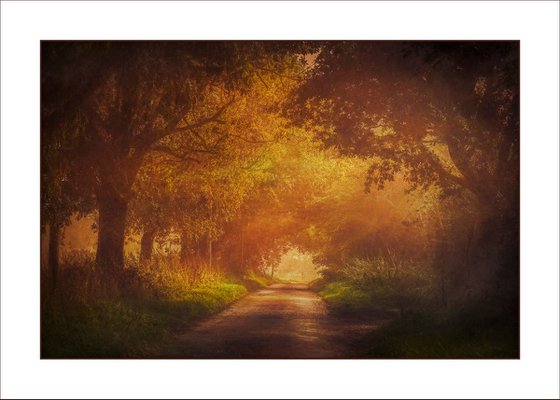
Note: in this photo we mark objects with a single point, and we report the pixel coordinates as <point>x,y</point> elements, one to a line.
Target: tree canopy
<point>231,153</point>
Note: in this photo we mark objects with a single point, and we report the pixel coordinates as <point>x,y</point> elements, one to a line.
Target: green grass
<point>101,329</point>
<point>191,304</point>
<point>344,298</point>
<point>125,328</point>
<point>443,335</point>
<point>475,330</point>
<point>255,282</point>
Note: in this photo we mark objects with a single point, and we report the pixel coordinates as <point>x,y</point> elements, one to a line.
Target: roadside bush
<point>376,283</point>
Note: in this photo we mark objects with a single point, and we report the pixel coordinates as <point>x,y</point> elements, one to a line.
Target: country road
<point>280,321</point>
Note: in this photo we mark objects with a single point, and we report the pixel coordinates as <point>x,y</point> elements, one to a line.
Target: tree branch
<point>146,141</point>
<point>185,155</point>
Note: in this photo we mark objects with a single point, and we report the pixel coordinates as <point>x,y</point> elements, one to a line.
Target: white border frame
<point>535,375</point>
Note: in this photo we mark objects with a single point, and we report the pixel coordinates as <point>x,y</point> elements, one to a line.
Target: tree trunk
<point>184,248</point>
<point>110,244</point>
<point>54,244</point>
<point>147,246</point>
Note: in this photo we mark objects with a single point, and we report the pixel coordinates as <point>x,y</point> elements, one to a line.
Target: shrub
<point>382,284</point>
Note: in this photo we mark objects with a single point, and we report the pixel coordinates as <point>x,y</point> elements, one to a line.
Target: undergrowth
<point>485,329</point>
<point>468,333</point>
<point>136,323</point>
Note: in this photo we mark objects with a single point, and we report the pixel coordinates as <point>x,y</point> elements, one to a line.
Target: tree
<point>443,114</point>
<point>63,191</point>
<point>439,114</point>
<point>128,98</point>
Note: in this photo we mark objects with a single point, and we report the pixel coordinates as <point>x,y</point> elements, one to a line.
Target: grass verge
<point>121,328</point>
<point>345,299</point>
<point>254,282</point>
<point>483,330</point>
<point>450,334</point>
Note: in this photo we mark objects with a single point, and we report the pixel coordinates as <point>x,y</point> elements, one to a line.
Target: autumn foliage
<point>172,167</point>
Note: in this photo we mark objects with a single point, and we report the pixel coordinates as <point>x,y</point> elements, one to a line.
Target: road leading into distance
<point>280,321</point>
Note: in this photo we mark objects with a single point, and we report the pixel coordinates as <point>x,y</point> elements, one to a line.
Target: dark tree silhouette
<point>399,101</point>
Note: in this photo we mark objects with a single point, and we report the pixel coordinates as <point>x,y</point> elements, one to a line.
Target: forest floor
<point>284,320</point>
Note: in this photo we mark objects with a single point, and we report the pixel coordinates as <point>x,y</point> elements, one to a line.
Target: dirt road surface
<point>280,321</point>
